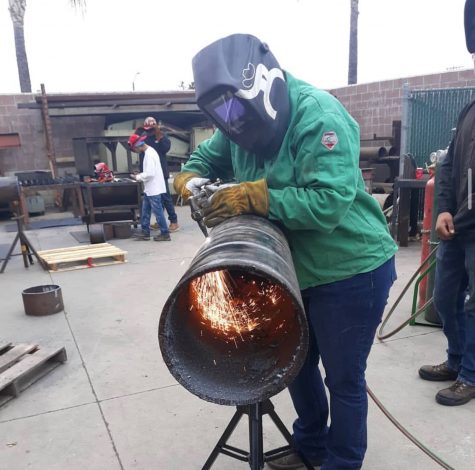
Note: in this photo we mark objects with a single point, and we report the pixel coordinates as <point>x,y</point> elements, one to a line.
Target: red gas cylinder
<point>426,227</point>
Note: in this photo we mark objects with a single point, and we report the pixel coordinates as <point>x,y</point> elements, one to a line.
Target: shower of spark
<point>232,310</point>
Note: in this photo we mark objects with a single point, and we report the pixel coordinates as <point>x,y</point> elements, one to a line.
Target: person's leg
<point>344,317</point>
<point>463,389</point>
<point>310,401</point>
<point>145,216</point>
<point>449,286</point>
<point>157,208</point>
<point>167,202</point>
<point>467,372</point>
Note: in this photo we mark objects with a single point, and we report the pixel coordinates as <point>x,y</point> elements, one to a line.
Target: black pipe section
<point>234,331</point>
<point>9,189</point>
<point>372,153</point>
<point>43,300</point>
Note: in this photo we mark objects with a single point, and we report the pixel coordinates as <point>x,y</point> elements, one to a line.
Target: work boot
<point>163,237</point>
<point>142,237</point>
<point>438,373</point>
<point>457,394</point>
<point>291,462</point>
<point>174,227</point>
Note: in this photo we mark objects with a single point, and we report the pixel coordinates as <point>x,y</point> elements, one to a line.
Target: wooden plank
<point>85,266</point>
<point>82,253</point>
<point>74,248</point>
<point>106,254</point>
<point>74,259</point>
<point>26,372</point>
<point>97,248</point>
<point>15,354</point>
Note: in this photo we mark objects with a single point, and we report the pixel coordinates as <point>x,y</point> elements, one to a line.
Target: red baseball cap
<point>136,140</point>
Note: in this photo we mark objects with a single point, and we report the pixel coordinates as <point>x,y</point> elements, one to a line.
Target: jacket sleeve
<point>163,145</point>
<point>148,169</point>
<point>212,158</point>
<point>445,191</point>
<point>326,167</point>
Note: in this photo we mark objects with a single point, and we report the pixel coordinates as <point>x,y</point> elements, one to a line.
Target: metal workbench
<point>114,201</point>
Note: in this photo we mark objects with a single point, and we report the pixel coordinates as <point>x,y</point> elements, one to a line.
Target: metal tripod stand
<point>27,250</point>
<point>256,457</point>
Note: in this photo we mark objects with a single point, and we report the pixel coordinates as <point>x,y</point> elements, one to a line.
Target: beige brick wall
<point>29,125</point>
<point>376,105</point>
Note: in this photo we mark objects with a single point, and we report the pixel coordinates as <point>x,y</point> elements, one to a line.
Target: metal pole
<point>48,131</point>
<point>405,124</point>
<point>256,446</point>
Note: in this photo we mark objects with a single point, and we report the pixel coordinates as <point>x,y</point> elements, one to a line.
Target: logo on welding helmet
<point>257,79</point>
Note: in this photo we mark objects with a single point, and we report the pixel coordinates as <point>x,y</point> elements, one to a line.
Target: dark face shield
<point>229,112</point>
<point>236,119</point>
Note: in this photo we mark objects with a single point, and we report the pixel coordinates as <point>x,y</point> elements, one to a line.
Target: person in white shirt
<point>154,187</point>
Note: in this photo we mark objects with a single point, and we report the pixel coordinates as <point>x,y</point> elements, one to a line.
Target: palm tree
<point>353,55</point>
<point>17,13</point>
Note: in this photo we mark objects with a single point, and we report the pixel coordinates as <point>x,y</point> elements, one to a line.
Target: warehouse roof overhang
<point>174,107</point>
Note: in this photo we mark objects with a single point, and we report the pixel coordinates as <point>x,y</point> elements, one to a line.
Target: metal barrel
<point>9,189</point>
<point>43,300</point>
<point>100,233</point>
<point>245,342</point>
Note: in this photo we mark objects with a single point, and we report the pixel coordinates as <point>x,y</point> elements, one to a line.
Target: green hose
<point>380,335</point>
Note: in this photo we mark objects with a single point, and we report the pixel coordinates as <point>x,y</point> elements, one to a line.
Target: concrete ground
<point>114,405</point>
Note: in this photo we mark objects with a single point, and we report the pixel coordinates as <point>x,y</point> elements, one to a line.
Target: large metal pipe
<point>9,189</point>
<point>234,331</point>
<point>372,153</point>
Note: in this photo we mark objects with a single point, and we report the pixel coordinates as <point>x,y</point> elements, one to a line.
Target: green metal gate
<point>432,114</point>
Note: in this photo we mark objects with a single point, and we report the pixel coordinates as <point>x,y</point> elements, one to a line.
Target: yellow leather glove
<point>182,186</point>
<point>243,198</point>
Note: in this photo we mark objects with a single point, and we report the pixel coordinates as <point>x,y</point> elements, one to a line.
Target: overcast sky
<point>104,49</point>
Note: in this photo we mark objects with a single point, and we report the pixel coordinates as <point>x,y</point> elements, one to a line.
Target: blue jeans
<point>153,204</point>
<point>343,317</point>
<point>454,279</point>
<point>167,203</point>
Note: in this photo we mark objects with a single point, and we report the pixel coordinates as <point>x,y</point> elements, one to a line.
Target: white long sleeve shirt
<point>152,175</point>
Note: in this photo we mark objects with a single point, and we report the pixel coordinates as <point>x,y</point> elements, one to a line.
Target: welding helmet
<point>241,87</point>
<point>469,20</point>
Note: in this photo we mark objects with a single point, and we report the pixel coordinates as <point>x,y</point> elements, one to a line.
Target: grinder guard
<point>238,368</point>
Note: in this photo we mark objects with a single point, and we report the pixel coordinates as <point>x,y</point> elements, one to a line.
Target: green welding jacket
<point>334,228</point>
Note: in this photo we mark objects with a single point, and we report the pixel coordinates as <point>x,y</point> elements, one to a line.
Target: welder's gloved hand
<point>187,184</point>
<point>243,198</point>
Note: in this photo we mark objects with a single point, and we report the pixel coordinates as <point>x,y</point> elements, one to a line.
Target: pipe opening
<point>232,336</point>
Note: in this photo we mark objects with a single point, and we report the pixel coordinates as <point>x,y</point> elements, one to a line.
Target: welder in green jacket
<point>294,150</point>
